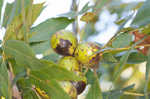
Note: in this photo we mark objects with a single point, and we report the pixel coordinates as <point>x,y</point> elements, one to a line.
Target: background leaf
<point>109,58</point>
<point>122,40</point>
<point>1,5</point>
<point>85,8</point>
<point>116,94</point>
<point>142,17</point>
<point>136,58</point>
<point>147,75</point>
<point>123,61</point>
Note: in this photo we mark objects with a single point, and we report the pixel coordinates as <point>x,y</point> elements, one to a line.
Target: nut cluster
<point>75,57</point>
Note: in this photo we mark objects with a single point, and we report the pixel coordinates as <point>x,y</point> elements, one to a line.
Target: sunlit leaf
<point>16,9</point>
<point>16,28</point>
<point>7,13</point>
<point>41,93</point>
<point>32,15</point>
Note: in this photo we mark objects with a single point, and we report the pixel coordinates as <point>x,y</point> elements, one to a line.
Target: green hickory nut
<point>69,89</point>
<point>70,63</point>
<point>87,54</point>
<point>64,42</point>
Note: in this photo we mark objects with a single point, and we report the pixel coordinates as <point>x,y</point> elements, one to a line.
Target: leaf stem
<point>123,49</point>
<point>75,25</point>
<point>132,93</point>
<point>24,22</point>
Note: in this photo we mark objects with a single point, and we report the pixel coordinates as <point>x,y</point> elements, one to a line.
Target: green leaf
<point>136,58</point>
<point>147,75</point>
<point>29,94</point>
<point>74,14</point>
<point>52,88</point>
<point>22,53</point>
<point>90,77</point>
<point>88,31</point>
<point>1,5</point>
<point>116,94</point>
<point>36,10</point>
<point>14,20</point>
<point>142,17</point>
<point>7,13</point>
<point>53,71</point>
<point>85,8</point>
<point>5,89</point>
<point>109,58</point>
<point>71,14</point>
<point>16,9</point>
<point>53,57</point>
<point>41,47</point>
<point>19,76</point>
<point>123,61</point>
<point>44,30</point>
<point>99,5</point>
<point>1,51</point>
<point>122,40</point>
<point>32,15</point>
<point>16,28</point>
<point>124,58</point>
<point>94,90</point>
